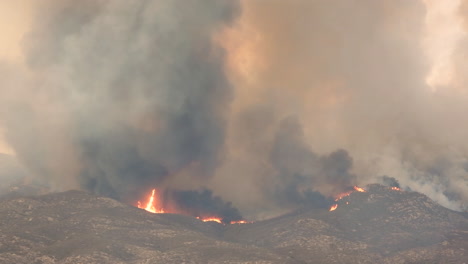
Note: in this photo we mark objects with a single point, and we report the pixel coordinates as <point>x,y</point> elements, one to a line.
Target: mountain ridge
<point>379,225</point>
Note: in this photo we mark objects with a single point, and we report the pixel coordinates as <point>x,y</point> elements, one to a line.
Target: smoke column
<point>122,94</point>
<point>271,105</point>
<point>354,76</point>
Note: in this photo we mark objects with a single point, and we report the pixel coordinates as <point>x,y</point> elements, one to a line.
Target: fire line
<point>154,206</point>
<point>342,195</point>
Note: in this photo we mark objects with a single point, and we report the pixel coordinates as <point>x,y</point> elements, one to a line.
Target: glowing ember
<point>333,208</point>
<point>359,189</point>
<point>395,188</point>
<point>150,207</point>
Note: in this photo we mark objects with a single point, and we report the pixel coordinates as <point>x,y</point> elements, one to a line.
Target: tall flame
<point>150,207</point>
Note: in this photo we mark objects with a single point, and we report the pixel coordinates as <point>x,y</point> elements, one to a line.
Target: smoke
<point>137,92</point>
<point>301,172</point>
<point>202,204</point>
<point>10,171</point>
<point>271,105</point>
<point>390,181</point>
<point>354,77</point>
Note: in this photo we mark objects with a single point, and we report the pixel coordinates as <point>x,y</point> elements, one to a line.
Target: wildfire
<point>150,207</point>
<point>154,206</point>
<point>211,219</point>
<point>219,220</point>
<point>342,195</point>
<point>359,189</point>
<point>395,188</point>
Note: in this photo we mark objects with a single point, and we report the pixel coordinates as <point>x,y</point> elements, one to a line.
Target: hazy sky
<point>14,22</point>
<point>443,31</point>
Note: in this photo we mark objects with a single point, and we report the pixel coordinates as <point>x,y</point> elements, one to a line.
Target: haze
<point>262,102</point>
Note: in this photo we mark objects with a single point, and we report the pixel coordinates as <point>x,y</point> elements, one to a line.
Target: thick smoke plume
<point>270,104</point>
<point>126,93</point>
<point>354,76</point>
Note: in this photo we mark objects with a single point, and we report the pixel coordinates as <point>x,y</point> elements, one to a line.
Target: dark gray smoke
<point>301,173</point>
<point>202,204</point>
<point>273,105</point>
<point>390,181</point>
<point>140,87</point>
<point>357,77</point>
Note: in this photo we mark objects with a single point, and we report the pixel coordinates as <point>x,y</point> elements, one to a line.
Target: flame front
<point>345,194</point>
<point>342,195</point>
<point>395,188</point>
<point>150,206</point>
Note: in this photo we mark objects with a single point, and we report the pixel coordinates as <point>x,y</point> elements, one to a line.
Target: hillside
<point>380,225</point>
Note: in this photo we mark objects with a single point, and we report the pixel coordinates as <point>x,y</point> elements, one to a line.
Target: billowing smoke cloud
<point>270,104</point>
<point>354,77</point>
<point>138,89</point>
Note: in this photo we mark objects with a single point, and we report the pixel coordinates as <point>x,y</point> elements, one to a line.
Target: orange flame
<point>154,203</point>
<point>359,189</point>
<point>395,188</point>
<point>211,219</point>
<point>342,195</point>
<point>150,207</point>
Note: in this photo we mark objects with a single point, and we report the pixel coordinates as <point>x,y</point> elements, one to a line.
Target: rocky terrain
<point>378,226</point>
